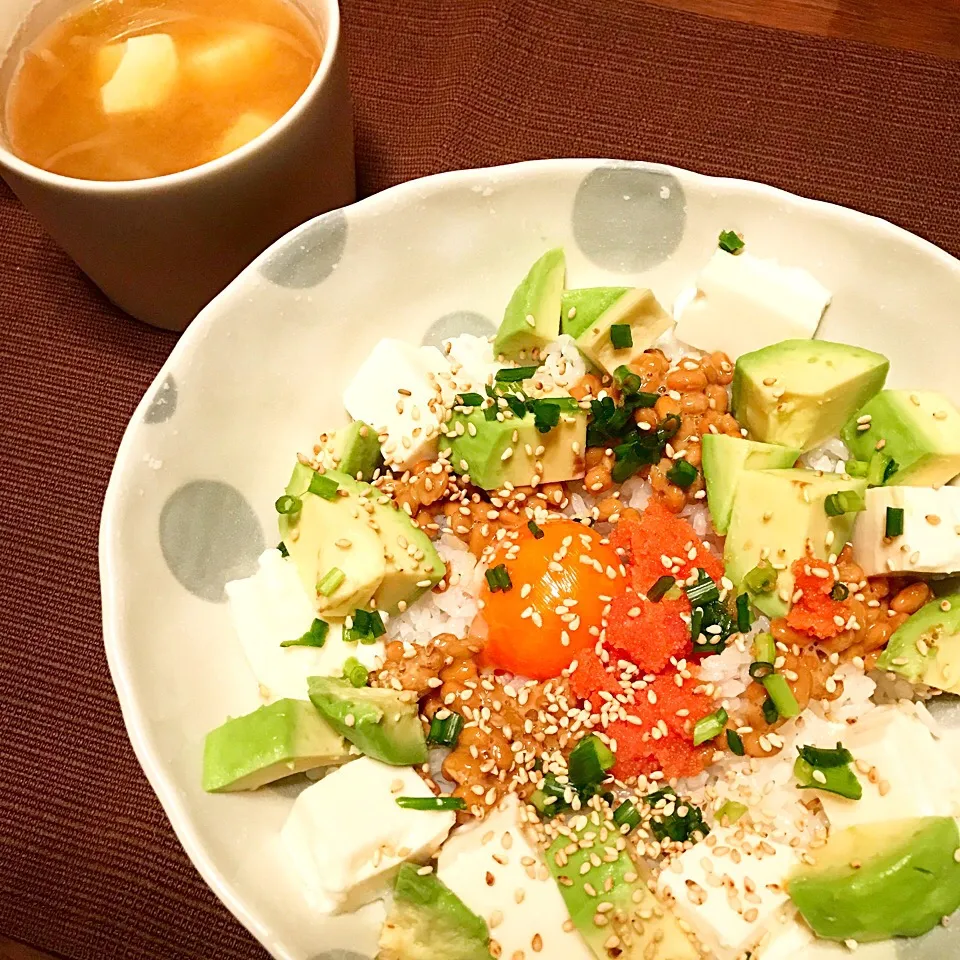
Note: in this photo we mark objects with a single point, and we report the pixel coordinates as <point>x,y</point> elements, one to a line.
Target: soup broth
<point>129,89</point>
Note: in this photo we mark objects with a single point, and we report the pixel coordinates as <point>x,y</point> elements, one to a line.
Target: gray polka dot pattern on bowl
<point>939,944</point>
<point>456,323</point>
<point>308,257</point>
<point>209,534</point>
<point>628,218</point>
<point>164,404</point>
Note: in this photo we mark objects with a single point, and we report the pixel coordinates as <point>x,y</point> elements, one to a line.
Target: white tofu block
<point>347,837</point>
<point>272,606</point>
<point>930,542</point>
<point>145,77</point>
<point>233,56</point>
<point>486,873</point>
<point>920,777</point>
<point>731,906</point>
<point>471,361</point>
<point>742,303</point>
<point>408,422</point>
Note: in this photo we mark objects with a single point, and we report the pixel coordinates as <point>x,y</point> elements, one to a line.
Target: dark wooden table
<point>929,27</point>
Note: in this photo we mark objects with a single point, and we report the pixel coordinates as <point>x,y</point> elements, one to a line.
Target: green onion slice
<point>661,588</point>
<point>894,522</point>
<point>703,591</point>
<point>431,803</point>
<point>282,547</point>
<point>730,813</point>
<point>696,623</point>
<point>839,780</point>
<point>877,468</point>
<point>630,382</point>
<point>856,468</point>
<point>824,758</point>
<point>744,618</point>
<point>535,530</point>
<point>735,743</point>
<point>627,815</point>
<point>770,712</point>
<point>730,242</point>
<point>329,582</point>
<point>316,636</point>
<point>366,627</point>
<point>709,727</point>
<point>288,506</point>
<point>761,669</point>
<point>355,673</point>
<point>621,336</point>
<point>844,501</point>
<point>499,579</point>
<point>782,696</point>
<point>761,579</point>
<point>589,761</point>
<point>839,591</point>
<point>469,400</point>
<point>764,648</point>
<point>323,487</point>
<point>515,374</point>
<point>678,826</point>
<point>682,473</point>
<point>445,732</point>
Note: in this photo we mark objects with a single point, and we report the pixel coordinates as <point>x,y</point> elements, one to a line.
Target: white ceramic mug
<point>163,248</point>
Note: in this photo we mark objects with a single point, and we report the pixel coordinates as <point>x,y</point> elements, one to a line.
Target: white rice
<point>829,457</point>
<point>561,365</point>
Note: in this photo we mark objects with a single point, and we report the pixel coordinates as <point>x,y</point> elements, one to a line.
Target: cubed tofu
<point>145,77</point>
<point>399,390</point>
<point>248,127</point>
<point>347,836</point>
<point>930,542</point>
<point>731,906</point>
<point>272,606</point>
<point>743,303</point>
<point>233,56</point>
<point>471,362</point>
<point>493,866</point>
<point>914,776</point>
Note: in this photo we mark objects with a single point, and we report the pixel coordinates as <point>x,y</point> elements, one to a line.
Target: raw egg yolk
<point>560,585</point>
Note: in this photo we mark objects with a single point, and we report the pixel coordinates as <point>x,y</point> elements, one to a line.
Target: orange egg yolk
<point>560,585</point>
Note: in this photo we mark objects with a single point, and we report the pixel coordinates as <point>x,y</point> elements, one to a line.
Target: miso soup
<point>129,89</point>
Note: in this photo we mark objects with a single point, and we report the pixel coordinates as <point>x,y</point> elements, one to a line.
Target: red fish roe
<point>591,676</point>
<point>647,633</point>
<point>660,543</point>
<point>814,611</point>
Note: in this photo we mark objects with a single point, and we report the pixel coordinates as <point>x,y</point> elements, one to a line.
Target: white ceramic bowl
<point>260,373</point>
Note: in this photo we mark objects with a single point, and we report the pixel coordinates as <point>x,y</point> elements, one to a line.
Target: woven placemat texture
<point>89,869</point>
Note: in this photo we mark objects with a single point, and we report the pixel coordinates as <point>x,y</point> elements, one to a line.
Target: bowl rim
<point>152,766</point>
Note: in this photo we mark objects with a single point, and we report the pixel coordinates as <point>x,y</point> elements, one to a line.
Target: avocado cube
<point>926,647</point>
<point>513,451</point>
<point>777,516</point>
<point>276,741</point>
<point>920,429</point>
<point>353,450</point>
<point>799,393</point>
<point>532,317</point>
<point>597,309</point>
<point>724,460</point>
<point>881,880</point>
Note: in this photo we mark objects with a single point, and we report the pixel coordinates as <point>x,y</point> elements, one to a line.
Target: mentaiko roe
<point>648,634</point>
<point>591,676</point>
<point>815,610</point>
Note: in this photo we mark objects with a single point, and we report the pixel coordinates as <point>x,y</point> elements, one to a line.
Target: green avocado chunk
<point>882,880</point>
<point>919,429</point>
<point>513,451</point>
<point>799,393</point>
<point>777,516</point>
<point>934,628</point>
<point>646,927</point>
<point>354,450</point>
<point>379,723</point>
<point>275,741</point>
<point>428,921</point>
<point>597,309</point>
<point>532,317</point>
<point>724,461</point>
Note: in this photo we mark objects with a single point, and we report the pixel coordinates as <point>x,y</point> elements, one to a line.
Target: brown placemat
<point>88,867</point>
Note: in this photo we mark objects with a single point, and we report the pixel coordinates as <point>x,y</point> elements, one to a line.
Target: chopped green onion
<point>844,501</point>
<point>515,374</point>
<point>329,582</point>
<point>761,669</point>
<point>316,636</point>
<point>282,547</point>
<point>744,618</point>
<point>621,336</point>
<point>643,400</point>
<point>877,468</point>
<point>703,591</point>
<point>782,696</point>
<point>682,473</point>
<point>499,579</point>
<point>770,712</point>
<point>355,673</point>
<point>730,242</point>
<point>761,579</point>
<point>856,468</point>
<point>839,780</point>
<point>661,588</point>
<point>589,761</point>
<point>630,382</point>
<point>735,743</point>
<point>696,623</point>
<point>538,534</point>
<point>894,523</point>
<point>323,487</point>
<point>546,415</point>
<point>445,732</point>
<point>550,797</point>
<point>469,400</point>
<point>627,815</point>
<point>678,826</point>
<point>891,469</point>
<point>730,813</point>
<point>288,506</point>
<point>431,803</point>
<point>764,648</point>
<point>709,727</point>
<point>839,591</point>
<point>823,758</point>
<point>366,626</point>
